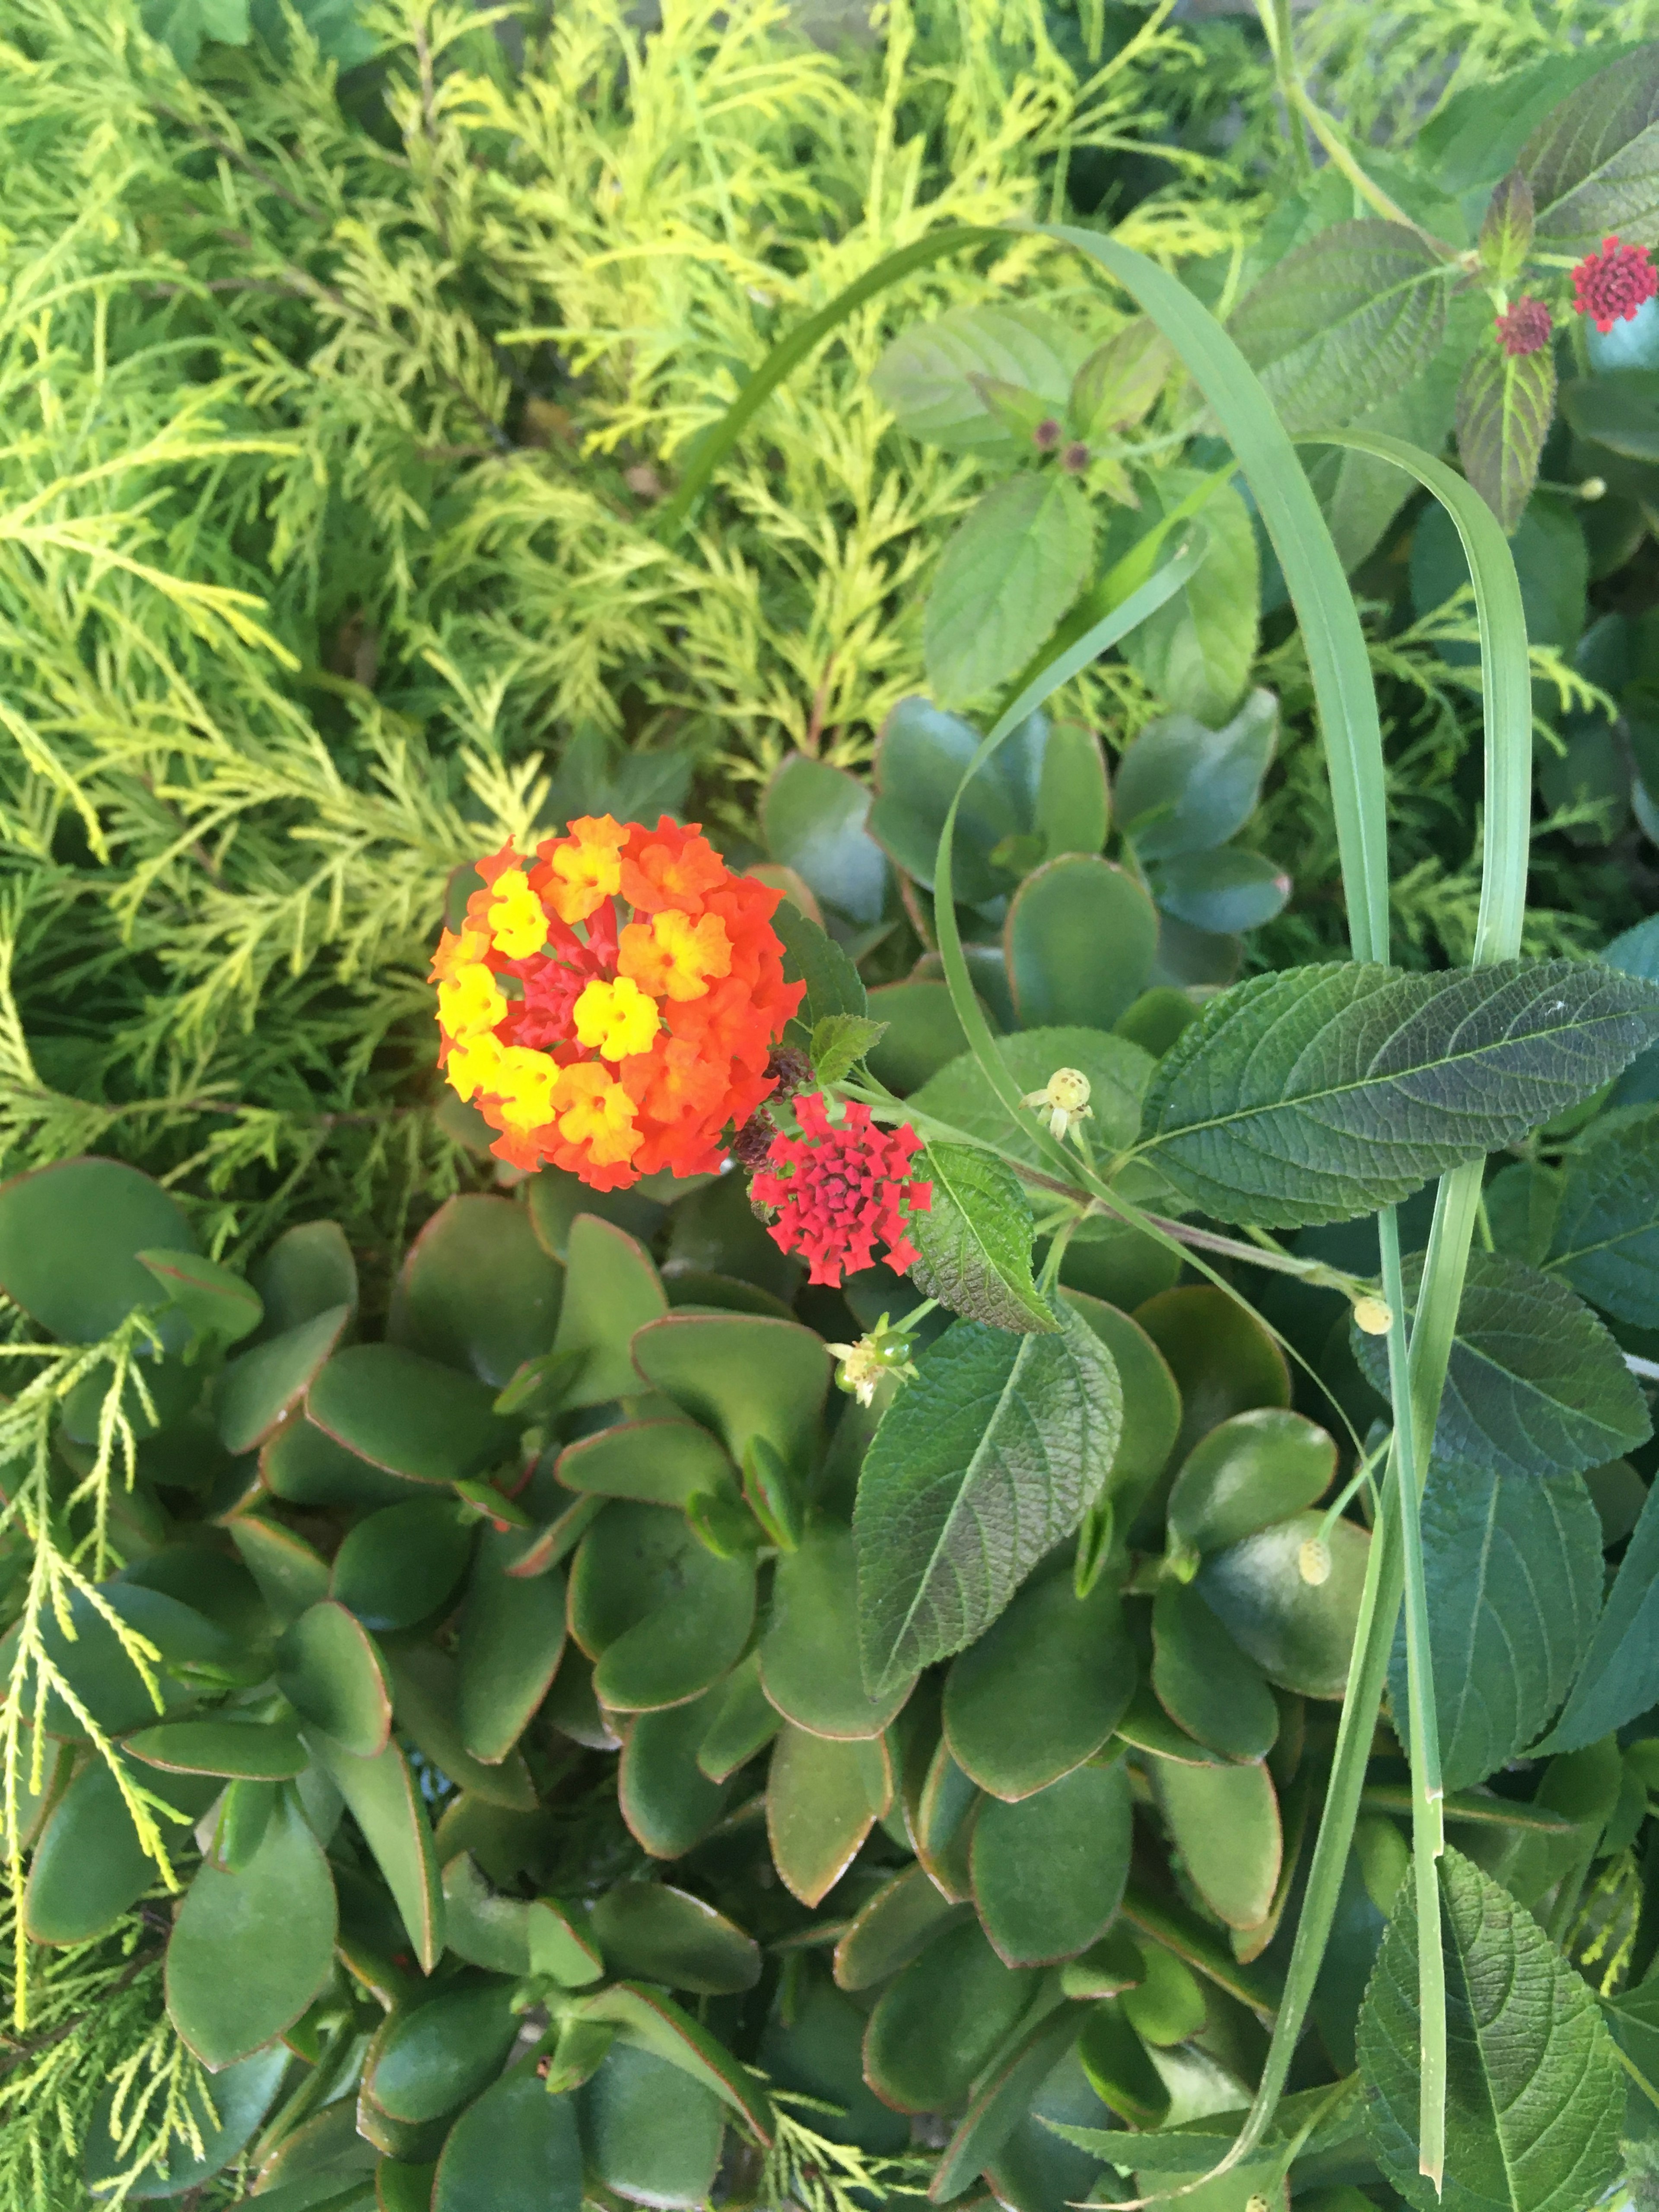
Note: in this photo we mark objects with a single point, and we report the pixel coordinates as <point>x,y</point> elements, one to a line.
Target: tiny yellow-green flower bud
<point>1372,1316</point>
<point>1313,1562</point>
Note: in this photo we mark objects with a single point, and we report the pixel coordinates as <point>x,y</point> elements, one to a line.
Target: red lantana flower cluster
<point>840,1187</point>
<point>1525,329</point>
<point>1611,285</point>
<point>611,1000</point>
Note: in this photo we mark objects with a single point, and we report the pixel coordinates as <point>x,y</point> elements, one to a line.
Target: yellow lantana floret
<point>599,1113</point>
<point>469,1002</point>
<point>518,926</point>
<point>525,1082</point>
<point>673,956</point>
<point>587,866</point>
<point>615,1019</point>
<point>471,1067</point>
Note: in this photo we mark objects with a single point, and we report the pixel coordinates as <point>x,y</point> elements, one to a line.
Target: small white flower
<point>1064,1099</point>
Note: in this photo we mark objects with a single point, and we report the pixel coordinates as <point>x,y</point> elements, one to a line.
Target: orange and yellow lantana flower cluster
<point>611,1001</point>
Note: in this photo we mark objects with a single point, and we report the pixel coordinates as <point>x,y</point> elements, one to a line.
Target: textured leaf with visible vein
<point>1344,322</point>
<point>982,1465</point>
<point>1513,1571</point>
<point>1594,166</point>
<point>975,1241</point>
<point>1534,2094</point>
<point>1536,1385</point>
<point>1606,1237</point>
<point>1619,1677</point>
<point>1013,566</point>
<point>1325,1092</point>
<point>1505,404</point>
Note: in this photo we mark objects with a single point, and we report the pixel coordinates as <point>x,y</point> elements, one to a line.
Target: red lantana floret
<point>1611,285</point>
<point>1525,329</point>
<point>840,1189</point>
<point>611,1000</point>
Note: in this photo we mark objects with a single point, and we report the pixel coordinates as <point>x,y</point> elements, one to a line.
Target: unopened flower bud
<point>1313,1562</point>
<point>883,1351</point>
<point>1593,488</point>
<point>1075,459</point>
<point>1372,1317</point>
<point>1047,435</point>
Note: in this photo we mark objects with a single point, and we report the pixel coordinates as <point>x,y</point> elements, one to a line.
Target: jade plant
<point>562,1746</point>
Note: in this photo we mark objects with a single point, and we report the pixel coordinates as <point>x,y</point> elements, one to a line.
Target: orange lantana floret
<point>611,1001</point>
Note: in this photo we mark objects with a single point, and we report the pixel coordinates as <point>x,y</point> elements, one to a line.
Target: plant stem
<point>1281,35</point>
<point>1428,1829</point>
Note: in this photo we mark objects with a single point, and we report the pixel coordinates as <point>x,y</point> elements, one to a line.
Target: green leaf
<point>1536,1383</point>
<point>516,2150</point>
<point>665,1618</point>
<point>1223,1820</point>
<point>1513,1571</point>
<point>809,957</point>
<point>809,1666</point>
<point>439,2051</point>
<point>308,1269</point>
<point>938,2025</point>
<point>1604,1238</point>
<point>396,1566</point>
<point>839,1043</point>
<point>651,2133</point>
<point>90,1866</point>
<point>813,818</point>
<point>927,374</point>
<point>1328,1091</point>
<point>1534,2094</point>
<point>922,755</point>
<point>1118,384</point>
<point>899,1921</point>
<point>1618,409</point>
<point>70,1240</point>
<point>1505,404</point>
<point>823,1796</point>
<point>1048,1872</point>
<point>1204,1681</point>
<point>1073,801</point>
<point>1506,233</point>
<point>1247,1473</point>
<point>974,1240</point>
<point>990,1457</point>
<point>477,1291</point>
<point>383,1797</point>
<point>259,1394</point>
<point>1619,1677</point>
<point>1343,322</point>
<point>660,1934</point>
<point>329,1670</point>
<point>1060,918</point>
<point>182,26</point>
<point>219,1305</point>
<point>512,1637</point>
<point>1197,650</point>
<point>1299,1633</point>
<point>407,1414</point>
<point>256,1751</point>
<point>1008,573</point>
<point>1225,892</point>
<point>1118,1072</point>
<point>250,1951</point>
<point>1043,1689</point>
<point>666,1800</point>
<point>1593,165</point>
<point>227,2115</point>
